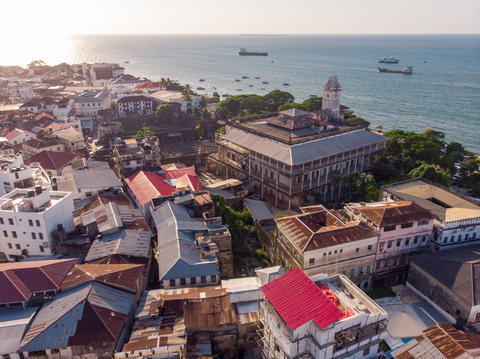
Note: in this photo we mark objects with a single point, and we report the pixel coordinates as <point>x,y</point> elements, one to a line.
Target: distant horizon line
<point>279,34</point>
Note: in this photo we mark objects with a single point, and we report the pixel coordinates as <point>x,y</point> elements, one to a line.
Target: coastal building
<point>149,87</point>
<point>17,136</point>
<point>320,318</point>
<point>168,97</point>
<point>290,154</point>
<point>320,241</point>
<point>403,228</point>
<point>125,84</point>
<point>332,92</point>
<point>29,216</point>
<point>457,218</point>
<point>101,74</point>
<point>442,341</point>
<point>189,247</point>
<point>134,105</point>
<point>90,102</point>
<point>448,280</point>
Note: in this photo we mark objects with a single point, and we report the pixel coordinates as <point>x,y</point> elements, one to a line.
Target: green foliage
<point>290,105</point>
<point>274,99</point>
<point>311,104</point>
<point>359,187</point>
<point>430,172</point>
<point>143,132</point>
<point>470,176</point>
<point>163,112</point>
<point>221,130</point>
<point>262,257</point>
<point>357,121</point>
<point>454,147</point>
<point>172,85</point>
<point>252,104</point>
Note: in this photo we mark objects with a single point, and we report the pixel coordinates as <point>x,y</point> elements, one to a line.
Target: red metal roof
<point>297,299</point>
<point>147,185</point>
<point>52,160</point>
<point>19,280</point>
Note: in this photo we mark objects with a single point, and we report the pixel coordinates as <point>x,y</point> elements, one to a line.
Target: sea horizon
<point>443,91</point>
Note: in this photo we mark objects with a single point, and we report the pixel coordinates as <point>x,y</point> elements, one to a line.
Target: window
<point>183,281</point>
<point>17,246</point>
<point>369,248</point>
<point>459,238</point>
<point>37,222</point>
<point>407,225</point>
<point>193,280</point>
<point>40,235</point>
<point>10,245</point>
<point>390,244</point>
<point>452,238</point>
<point>424,238</point>
<point>324,254</point>
<point>14,234</point>
<point>34,236</point>
<point>213,278</point>
<point>5,233</point>
<point>368,269</point>
<point>360,270</point>
<point>382,244</point>
<point>352,272</point>
<point>203,279</point>
<point>311,260</point>
<point>10,221</point>
<point>389,228</point>
<point>341,250</point>
<point>399,242</point>
<point>30,223</point>
<point>407,241</point>
<point>1,220</point>
<point>415,240</point>
<point>329,253</point>
<point>172,282</point>
<point>335,251</point>
<point>423,222</point>
<point>344,272</point>
<point>357,250</point>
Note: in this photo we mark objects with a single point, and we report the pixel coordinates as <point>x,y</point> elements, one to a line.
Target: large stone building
<point>285,155</point>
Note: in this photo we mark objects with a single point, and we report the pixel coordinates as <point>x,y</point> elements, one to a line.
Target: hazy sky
<point>49,17</point>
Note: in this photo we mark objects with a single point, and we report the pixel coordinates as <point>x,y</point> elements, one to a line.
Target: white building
<point>165,96</point>
<point>90,102</point>
<point>457,218</point>
<point>125,84</point>
<point>136,104</point>
<point>17,136</point>
<point>15,174</point>
<point>23,90</point>
<point>323,317</point>
<point>332,93</point>
<point>28,217</point>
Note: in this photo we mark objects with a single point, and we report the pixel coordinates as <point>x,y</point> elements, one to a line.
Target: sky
<point>34,18</point>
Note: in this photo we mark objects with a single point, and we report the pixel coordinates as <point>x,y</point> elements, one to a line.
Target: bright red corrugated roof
<point>147,185</point>
<point>170,174</point>
<point>297,299</point>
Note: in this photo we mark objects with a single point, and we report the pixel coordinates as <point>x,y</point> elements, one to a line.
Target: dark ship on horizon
<point>244,52</point>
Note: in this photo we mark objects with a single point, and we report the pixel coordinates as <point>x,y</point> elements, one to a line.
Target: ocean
<point>443,93</point>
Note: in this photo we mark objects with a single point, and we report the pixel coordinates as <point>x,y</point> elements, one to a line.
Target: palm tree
<point>187,95</point>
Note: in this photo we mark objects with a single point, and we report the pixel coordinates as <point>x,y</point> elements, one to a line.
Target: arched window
<point>423,222</point>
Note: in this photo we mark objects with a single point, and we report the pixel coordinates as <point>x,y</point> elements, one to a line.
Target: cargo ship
<point>406,71</point>
<point>244,52</point>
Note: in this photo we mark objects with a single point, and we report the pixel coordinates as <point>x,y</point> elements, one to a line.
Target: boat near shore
<point>406,71</point>
<point>244,52</point>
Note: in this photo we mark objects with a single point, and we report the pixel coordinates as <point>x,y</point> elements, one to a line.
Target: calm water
<point>443,93</point>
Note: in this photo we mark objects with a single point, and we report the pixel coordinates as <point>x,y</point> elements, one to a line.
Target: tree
<point>36,63</point>
<point>357,121</point>
<point>276,98</point>
<point>430,172</point>
<point>438,136</point>
<point>143,132</point>
<point>232,104</point>
<point>163,112</point>
<point>454,147</point>
<point>313,103</point>
<point>252,104</point>
<point>290,105</point>
<point>222,113</point>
